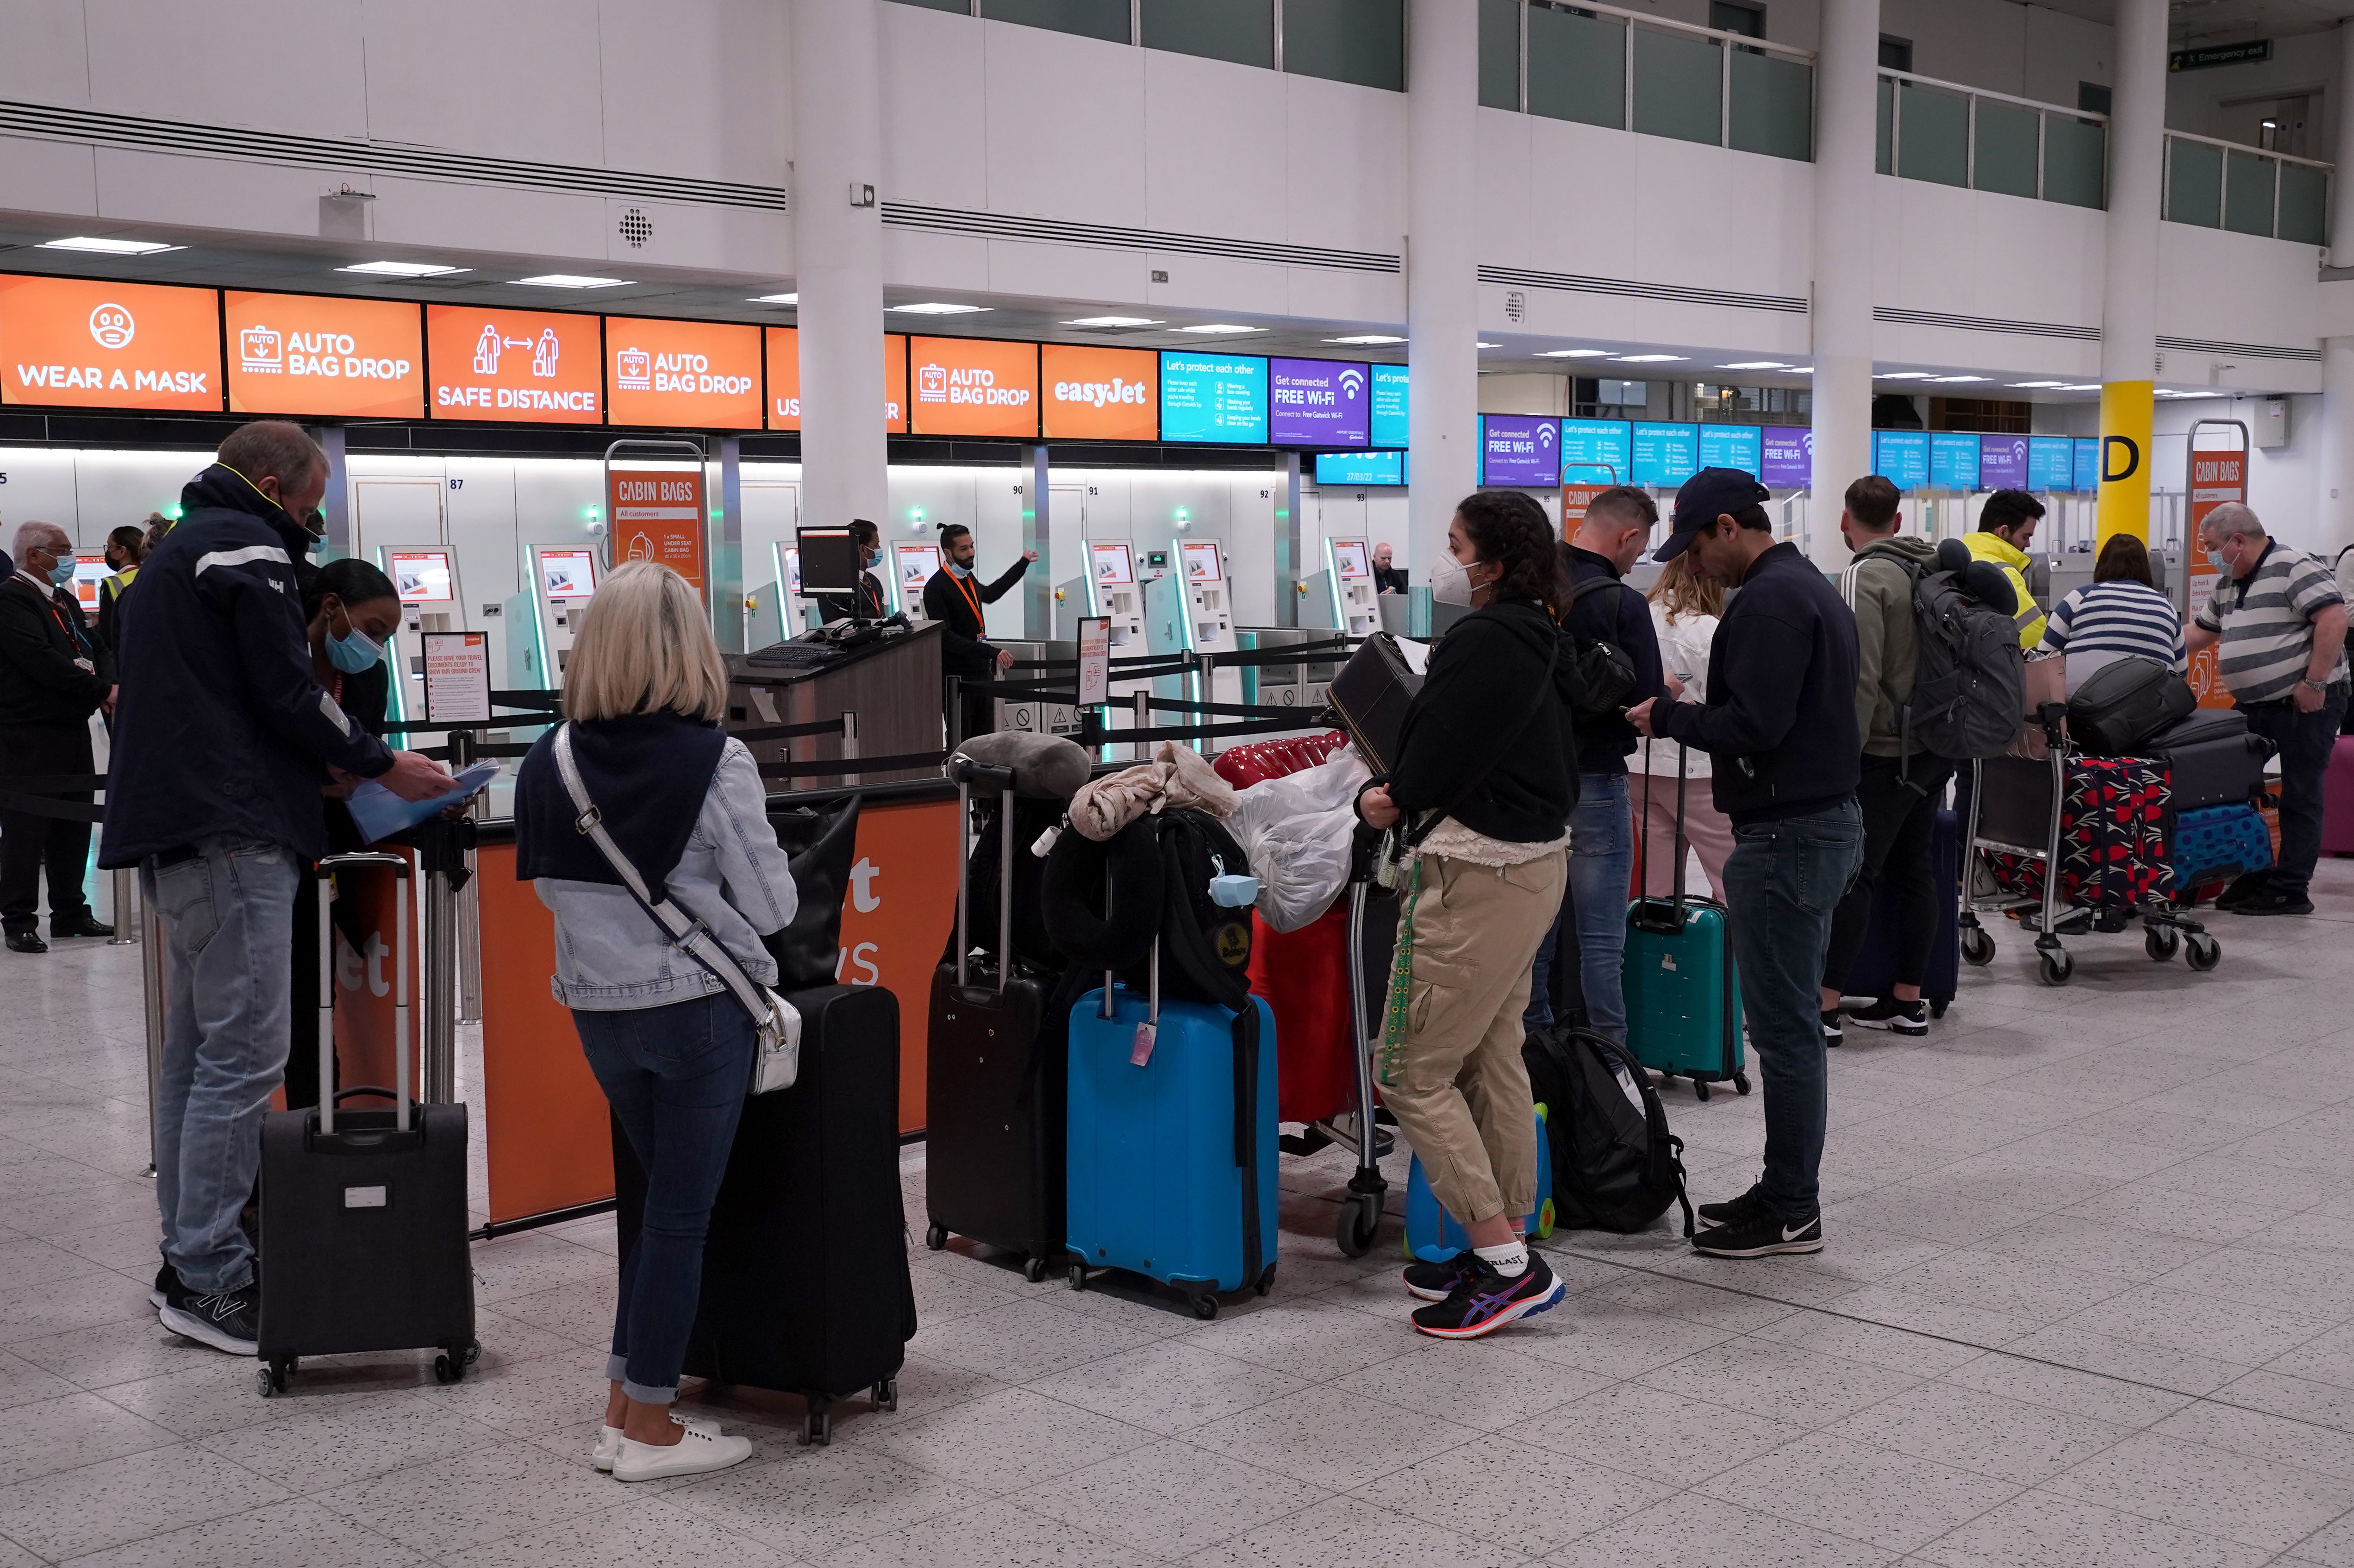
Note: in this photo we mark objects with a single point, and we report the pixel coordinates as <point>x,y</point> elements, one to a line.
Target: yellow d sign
<point>2126,418</point>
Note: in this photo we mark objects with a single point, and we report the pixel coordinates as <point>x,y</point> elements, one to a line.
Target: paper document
<point>379,814</point>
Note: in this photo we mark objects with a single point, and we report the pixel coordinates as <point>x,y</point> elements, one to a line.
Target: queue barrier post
<point>151,987</point>
<point>126,901</point>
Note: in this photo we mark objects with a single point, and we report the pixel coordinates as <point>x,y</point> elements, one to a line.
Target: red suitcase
<point>2338,799</point>
<point>1243,766</point>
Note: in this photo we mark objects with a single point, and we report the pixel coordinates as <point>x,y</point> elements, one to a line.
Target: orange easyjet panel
<point>683,375</point>
<point>538,366</point>
<point>300,354</point>
<point>75,343</point>
<point>784,353</point>
<point>1099,394</point>
<point>972,387</point>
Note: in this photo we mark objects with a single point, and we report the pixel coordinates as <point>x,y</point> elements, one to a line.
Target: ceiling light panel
<point>572,281</point>
<point>1220,327</point>
<point>98,246</point>
<point>938,308</point>
<point>1114,321</point>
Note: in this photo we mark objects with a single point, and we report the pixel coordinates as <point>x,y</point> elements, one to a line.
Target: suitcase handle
<point>325,872</point>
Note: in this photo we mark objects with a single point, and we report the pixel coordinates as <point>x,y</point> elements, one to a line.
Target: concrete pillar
<point>2333,511</point>
<point>1846,85</point>
<point>1289,571</point>
<point>337,502</point>
<point>1442,271</point>
<point>2129,295</point>
<point>727,549</point>
<point>838,258</point>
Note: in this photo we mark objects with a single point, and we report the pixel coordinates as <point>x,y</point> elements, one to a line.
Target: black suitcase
<point>1372,693</point>
<point>1875,965</point>
<point>805,1283</point>
<point>2121,705</point>
<point>364,1217</point>
<point>2215,761</point>
<point>996,1084</point>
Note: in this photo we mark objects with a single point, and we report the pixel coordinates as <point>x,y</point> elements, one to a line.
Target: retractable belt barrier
<point>26,796</point>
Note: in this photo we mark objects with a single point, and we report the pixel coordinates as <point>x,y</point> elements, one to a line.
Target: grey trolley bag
<point>364,1242</point>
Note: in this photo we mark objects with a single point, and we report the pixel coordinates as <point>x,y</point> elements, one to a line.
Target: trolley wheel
<point>1033,1269</point>
<point>1078,1276</point>
<point>1978,948</point>
<point>271,1380</point>
<point>1360,1216</point>
<point>1265,1279</point>
<point>817,1429</point>
<point>886,1395</point>
<point>2160,942</point>
<point>1741,1082</point>
<point>937,1236</point>
<point>2053,968</point>
<point>1699,1088</point>
<point>2202,952</point>
<point>450,1365</point>
<point>1205,1306</point>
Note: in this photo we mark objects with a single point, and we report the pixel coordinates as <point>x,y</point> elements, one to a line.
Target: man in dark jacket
<point>222,743</point>
<point>1387,578</point>
<point>1779,729</point>
<point>52,678</point>
<point>954,598</point>
<point>867,603</point>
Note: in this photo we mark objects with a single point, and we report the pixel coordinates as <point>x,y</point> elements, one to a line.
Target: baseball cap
<point>1704,497</point>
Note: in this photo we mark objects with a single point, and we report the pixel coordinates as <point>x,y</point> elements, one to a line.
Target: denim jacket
<point>610,957</point>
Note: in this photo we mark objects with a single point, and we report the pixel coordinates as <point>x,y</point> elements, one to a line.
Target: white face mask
<point>1450,580</point>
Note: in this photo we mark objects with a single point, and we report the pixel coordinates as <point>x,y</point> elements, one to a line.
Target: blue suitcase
<point>1431,1232</point>
<point>1172,1161</point>
<point>2216,844</point>
<point>1681,985</point>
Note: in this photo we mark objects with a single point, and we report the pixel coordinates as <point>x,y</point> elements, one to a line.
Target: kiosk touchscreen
<point>426,582</point>
<point>544,619</point>
<point>913,566</point>
<point>89,572</point>
<point>1192,607</point>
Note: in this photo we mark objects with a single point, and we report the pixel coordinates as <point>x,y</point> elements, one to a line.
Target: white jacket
<point>1683,649</point>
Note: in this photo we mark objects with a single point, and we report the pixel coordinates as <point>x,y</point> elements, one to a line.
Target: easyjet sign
<point>74,343</point>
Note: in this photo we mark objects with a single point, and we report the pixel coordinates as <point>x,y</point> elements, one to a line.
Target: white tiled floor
<point>2089,1299</point>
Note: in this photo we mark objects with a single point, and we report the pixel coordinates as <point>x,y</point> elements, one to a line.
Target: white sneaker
<point>609,1439</point>
<point>694,1453</point>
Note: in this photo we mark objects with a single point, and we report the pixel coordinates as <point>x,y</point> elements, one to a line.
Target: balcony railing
<point>1954,135</point>
<point>2220,184</point>
<point>1603,66</point>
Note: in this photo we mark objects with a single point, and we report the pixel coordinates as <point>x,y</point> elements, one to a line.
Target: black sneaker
<point>1488,1300</point>
<point>1738,1211</point>
<point>2273,901</point>
<point>228,1320</point>
<point>1897,1017</point>
<point>1833,1033</point>
<point>167,1276</point>
<point>1761,1236</point>
<point>2243,889</point>
<point>1437,1281</point>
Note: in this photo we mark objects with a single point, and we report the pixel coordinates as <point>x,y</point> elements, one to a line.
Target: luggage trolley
<point>1361,1212</point>
<point>2016,808</point>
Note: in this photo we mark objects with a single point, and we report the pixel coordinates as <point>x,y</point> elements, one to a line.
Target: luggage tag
<point>1141,1051</point>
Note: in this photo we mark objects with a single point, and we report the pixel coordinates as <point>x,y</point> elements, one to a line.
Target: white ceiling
<point>2199,20</point>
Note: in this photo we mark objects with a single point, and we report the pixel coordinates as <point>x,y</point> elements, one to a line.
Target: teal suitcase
<point>1681,985</point>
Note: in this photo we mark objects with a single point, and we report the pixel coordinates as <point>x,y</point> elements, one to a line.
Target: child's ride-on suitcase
<point>1682,987</point>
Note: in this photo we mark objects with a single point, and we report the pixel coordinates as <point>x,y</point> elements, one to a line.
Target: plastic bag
<point>1296,830</point>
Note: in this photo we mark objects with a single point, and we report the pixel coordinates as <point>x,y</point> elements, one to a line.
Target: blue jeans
<point>1782,882</point>
<point>1601,868</point>
<point>675,1077</point>
<point>228,916</point>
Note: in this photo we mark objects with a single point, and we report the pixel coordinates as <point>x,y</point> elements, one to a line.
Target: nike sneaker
<point>1738,1211</point>
<point>1897,1017</point>
<point>1761,1236</point>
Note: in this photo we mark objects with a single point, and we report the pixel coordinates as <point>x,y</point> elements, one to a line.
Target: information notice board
<point>2216,476</point>
<point>658,516</point>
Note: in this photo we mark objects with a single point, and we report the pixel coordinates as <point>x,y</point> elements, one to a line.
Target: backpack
<point>1606,672</point>
<point>1969,675</point>
<point>1615,1166</point>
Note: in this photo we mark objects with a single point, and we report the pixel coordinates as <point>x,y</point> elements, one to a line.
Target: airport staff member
<point>867,603</point>
<point>1387,578</point>
<point>2005,532</point>
<point>52,678</point>
<point>954,598</point>
<point>221,743</point>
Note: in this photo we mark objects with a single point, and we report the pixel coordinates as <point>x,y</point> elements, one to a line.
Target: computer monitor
<point>829,563</point>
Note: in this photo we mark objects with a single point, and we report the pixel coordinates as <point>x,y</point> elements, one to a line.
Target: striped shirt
<point>2119,617</point>
<point>2266,620</point>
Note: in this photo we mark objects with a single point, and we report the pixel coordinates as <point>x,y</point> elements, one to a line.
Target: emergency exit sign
<point>2245,53</point>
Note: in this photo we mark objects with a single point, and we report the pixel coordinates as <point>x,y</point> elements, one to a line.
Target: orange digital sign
<point>685,375</point>
<point>784,353</point>
<point>972,387</point>
<point>298,354</point>
<point>75,343</point>
<point>1099,394</point>
<point>534,366</point>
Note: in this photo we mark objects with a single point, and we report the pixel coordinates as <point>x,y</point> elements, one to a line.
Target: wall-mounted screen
<point>1360,467</point>
<point>2002,462</point>
<point>514,366</point>
<point>1099,394</point>
<point>73,342</point>
<point>89,572</point>
<point>1390,428</point>
<point>300,354</point>
<point>1787,461</point>
<point>421,577</point>
<point>1115,564</point>
<point>1214,397</point>
<point>1520,450</point>
<point>1733,446</point>
<point>1318,402</point>
<point>971,386</point>
<point>1201,563</point>
<point>2050,463</point>
<point>1666,455</point>
<point>1902,457</point>
<point>567,573</point>
<point>682,375</point>
<point>1952,461</point>
<point>1597,451</point>
<point>782,351</point>
<point>2088,462</point>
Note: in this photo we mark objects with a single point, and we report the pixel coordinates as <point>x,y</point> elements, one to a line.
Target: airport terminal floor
<point>2088,1298</point>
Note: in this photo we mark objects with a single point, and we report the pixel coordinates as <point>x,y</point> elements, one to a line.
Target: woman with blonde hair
<point>1685,609</point>
<point>672,1047</point>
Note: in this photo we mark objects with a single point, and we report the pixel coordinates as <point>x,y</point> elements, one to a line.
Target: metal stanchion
<point>1143,748</point>
<point>126,908</point>
<point>443,868</point>
<point>151,985</point>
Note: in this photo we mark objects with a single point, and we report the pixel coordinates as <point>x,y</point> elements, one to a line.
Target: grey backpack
<point>1970,678</point>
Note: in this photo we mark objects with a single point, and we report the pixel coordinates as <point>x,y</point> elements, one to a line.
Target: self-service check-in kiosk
<point>772,612</point>
<point>543,619</point>
<point>1192,608</point>
<point>913,566</point>
<point>90,571</point>
<point>1347,595</point>
<point>1109,591</point>
<point>426,580</point>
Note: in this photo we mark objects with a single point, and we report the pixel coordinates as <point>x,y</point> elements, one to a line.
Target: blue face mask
<point>62,573</point>
<point>354,651</point>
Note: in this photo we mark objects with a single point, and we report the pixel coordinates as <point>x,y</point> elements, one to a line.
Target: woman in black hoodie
<point>1485,778</point>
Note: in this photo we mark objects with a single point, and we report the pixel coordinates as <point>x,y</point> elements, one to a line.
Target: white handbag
<point>776,1052</point>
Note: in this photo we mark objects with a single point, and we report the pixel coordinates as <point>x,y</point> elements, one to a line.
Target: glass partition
<point>1772,105</point>
<point>1885,153</point>
<point>1361,41</point>
<point>1578,67</point>
<point>2248,192</point>
<point>2303,204</point>
<point>1932,135</point>
<point>1950,135</point>
<point>1105,19</point>
<point>2002,148</point>
<point>2194,182</point>
<point>1499,54</point>
<point>1242,31</point>
<point>1679,86</point>
<point>2075,161</point>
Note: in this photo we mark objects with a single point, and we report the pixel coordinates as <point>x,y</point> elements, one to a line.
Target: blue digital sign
<point>2050,462</point>
<point>1214,397</point>
<point>1390,428</point>
<point>1902,457</point>
<point>1666,455</point>
<point>1733,446</point>
<point>2088,462</point>
<point>1597,451</point>
<point>1953,461</point>
<point>1360,467</point>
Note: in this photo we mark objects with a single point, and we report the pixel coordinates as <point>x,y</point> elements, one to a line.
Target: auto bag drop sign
<point>533,366</point>
<point>973,386</point>
<point>299,353</point>
<point>683,375</point>
<point>71,343</point>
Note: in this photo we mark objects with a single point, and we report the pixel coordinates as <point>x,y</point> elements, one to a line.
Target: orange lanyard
<point>964,586</point>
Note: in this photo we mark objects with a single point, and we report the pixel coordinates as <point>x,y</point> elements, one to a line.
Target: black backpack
<point>1969,676</point>
<point>1615,1166</point>
<point>1606,672</point>
<point>1159,869</point>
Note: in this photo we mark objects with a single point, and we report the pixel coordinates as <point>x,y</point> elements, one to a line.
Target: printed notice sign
<point>2217,475</point>
<point>658,516</point>
<point>1095,661</point>
<point>457,677</point>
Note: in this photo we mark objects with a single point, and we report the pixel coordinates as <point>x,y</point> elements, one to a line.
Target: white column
<point>838,258</point>
<point>2333,511</point>
<point>1846,111</point>
<point>2130,292</point>
<point>1442,271</point>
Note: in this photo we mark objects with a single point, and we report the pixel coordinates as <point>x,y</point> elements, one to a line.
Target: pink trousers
<point>1708,829</point>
